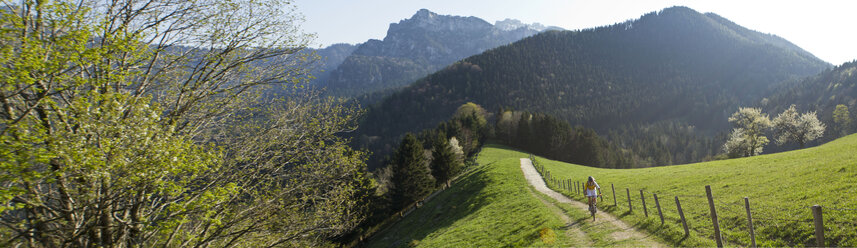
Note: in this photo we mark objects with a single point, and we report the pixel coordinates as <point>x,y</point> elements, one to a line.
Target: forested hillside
<point>675,69</point>
<point>824,93</point>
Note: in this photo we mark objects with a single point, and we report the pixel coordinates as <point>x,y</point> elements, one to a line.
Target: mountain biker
<point>592,190</point>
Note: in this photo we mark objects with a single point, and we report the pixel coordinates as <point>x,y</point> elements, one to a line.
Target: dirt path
<point>621,230</point>
<point>572,228</point>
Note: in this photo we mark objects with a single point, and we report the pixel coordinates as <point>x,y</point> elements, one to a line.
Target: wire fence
<point>407,210</point>
<point>739,221</point>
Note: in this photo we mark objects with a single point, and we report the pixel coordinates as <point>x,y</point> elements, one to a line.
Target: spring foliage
<point>136,123</point>
<point>842,118</point>
<point>747,138</point>
<point>790,126</point>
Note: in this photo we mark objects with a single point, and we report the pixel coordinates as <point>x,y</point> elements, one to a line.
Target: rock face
<point>417,46</point>
<point>512,24</point>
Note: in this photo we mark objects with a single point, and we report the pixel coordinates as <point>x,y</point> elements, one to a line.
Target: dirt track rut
<point>621,230</point>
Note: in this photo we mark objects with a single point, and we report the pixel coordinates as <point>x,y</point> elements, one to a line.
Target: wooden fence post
<point>643,198</point>
<point>717,236</point>
<point>681,214</point>
<point>750,222</point>
<point>628,191</point>
<point>819,225</point>
<point>614,194</point>
<point>658,204</point>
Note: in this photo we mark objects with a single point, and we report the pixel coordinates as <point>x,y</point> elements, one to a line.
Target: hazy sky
<point>824,28</point>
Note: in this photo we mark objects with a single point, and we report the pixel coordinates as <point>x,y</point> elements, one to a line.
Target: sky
<point>824,28</point>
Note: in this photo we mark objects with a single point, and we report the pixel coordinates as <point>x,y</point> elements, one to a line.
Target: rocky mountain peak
<point>512,24</point>
<point>426,20</point>
<point>423,14</point>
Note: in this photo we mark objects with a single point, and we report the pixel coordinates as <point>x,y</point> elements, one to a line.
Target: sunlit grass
<point>490,206</point>
<point>781,188</point>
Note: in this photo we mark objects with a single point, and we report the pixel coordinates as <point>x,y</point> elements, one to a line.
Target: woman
<point>592,190</point>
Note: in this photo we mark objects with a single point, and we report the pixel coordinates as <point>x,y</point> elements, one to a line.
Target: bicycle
<point>593,208</point>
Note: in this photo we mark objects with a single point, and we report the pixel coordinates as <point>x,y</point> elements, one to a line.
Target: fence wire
<point>733,222</point>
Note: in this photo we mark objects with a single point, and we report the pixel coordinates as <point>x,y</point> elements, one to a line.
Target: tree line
<point>548,136</point>
<point>429,160</point>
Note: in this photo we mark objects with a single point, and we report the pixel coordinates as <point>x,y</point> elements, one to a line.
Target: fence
<point>727,221</point>
<point>407,210</point>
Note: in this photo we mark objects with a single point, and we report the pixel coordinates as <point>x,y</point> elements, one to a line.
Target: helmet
<point>591,178</point>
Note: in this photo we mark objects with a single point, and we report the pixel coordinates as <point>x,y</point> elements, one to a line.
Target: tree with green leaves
<point>445,163</point>
<point>789,126</point>
<point>748,135</point>
<point>842,118</point>
<point>137,123</point>
<point>411,177</point>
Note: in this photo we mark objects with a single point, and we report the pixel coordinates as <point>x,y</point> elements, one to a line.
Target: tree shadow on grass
<point>456,203</point>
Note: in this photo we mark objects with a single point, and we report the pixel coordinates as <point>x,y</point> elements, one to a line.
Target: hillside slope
<point>676,66</point>
<point>781,188</point>
<point>494,206</point>
<point>488,207</point>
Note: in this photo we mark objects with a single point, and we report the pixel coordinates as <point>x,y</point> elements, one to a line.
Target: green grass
<point>599,234</point>
<point>490,206</point>
<point>781,188</point>
<point>493,206</point>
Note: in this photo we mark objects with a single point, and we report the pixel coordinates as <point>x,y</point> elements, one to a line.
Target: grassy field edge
<point>781,188</point>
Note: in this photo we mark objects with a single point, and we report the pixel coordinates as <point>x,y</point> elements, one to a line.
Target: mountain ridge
<point>671,66</point>
<point>414,48</point>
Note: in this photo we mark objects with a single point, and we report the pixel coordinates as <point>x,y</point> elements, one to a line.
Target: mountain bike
<point>593,209</point>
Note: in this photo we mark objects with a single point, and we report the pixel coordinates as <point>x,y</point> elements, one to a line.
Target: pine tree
<point>411,178</point>
<point>444,164</point>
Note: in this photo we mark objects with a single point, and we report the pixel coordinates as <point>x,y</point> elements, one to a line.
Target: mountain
<point>330,58</point>
<point>675,70</point>
<point>417,46</point>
